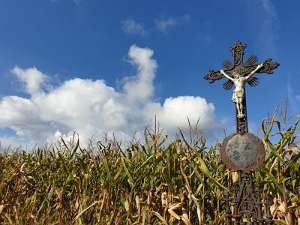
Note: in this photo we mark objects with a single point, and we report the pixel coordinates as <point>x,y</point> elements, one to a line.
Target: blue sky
<point>140,58</point>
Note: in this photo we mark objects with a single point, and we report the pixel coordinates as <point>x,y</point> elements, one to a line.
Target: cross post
<point>243,152</point>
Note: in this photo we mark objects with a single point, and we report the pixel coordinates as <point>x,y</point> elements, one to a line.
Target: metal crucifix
<point>239,73</point>
<point>243,151</point>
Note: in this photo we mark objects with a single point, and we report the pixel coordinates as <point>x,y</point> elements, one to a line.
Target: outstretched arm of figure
<point>226,75</point>
<point>254,71</point>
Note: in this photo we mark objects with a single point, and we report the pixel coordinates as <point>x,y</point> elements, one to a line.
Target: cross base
<point>248,205</point>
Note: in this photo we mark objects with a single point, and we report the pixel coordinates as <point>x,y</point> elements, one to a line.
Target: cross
<point>246,198</point>
<point>239,73</point>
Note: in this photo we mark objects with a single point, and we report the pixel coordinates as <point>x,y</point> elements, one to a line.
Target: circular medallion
<point>242,152</point>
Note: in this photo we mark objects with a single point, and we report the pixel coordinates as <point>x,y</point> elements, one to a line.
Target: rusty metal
<point>248,205</point>
<point>242,152</point>
<point>245,203</point>
<point>241,66</point>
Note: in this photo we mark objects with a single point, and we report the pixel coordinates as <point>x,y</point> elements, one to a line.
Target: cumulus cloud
<point>163,24</point>
<point>31,78</point>
<point>140,87</point>
<point>94,109</point>
<point>130,26</point>
<point>175,111</point>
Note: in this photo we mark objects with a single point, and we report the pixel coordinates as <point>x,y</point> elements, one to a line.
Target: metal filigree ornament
<point>242,151</point>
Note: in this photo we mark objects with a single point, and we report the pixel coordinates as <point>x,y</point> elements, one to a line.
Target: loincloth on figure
<point>238,95</point>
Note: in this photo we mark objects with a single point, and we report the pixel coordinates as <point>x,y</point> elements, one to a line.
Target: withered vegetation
<point>182,182</point>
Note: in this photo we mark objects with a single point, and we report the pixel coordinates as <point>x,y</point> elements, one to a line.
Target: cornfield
<point>179,182</point>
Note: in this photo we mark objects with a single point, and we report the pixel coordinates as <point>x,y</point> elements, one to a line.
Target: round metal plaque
<point>242,152</point>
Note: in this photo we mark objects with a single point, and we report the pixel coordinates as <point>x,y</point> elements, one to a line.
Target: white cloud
<point>31,77</point>
<point>130,26</point>
<point>94,109</point>
<point>140,87</point>
<point>298,97</point>
<point>163,24</point>
<point>175,111</point>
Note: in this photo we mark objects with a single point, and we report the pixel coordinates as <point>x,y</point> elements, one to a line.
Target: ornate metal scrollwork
<point>245,203</point>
